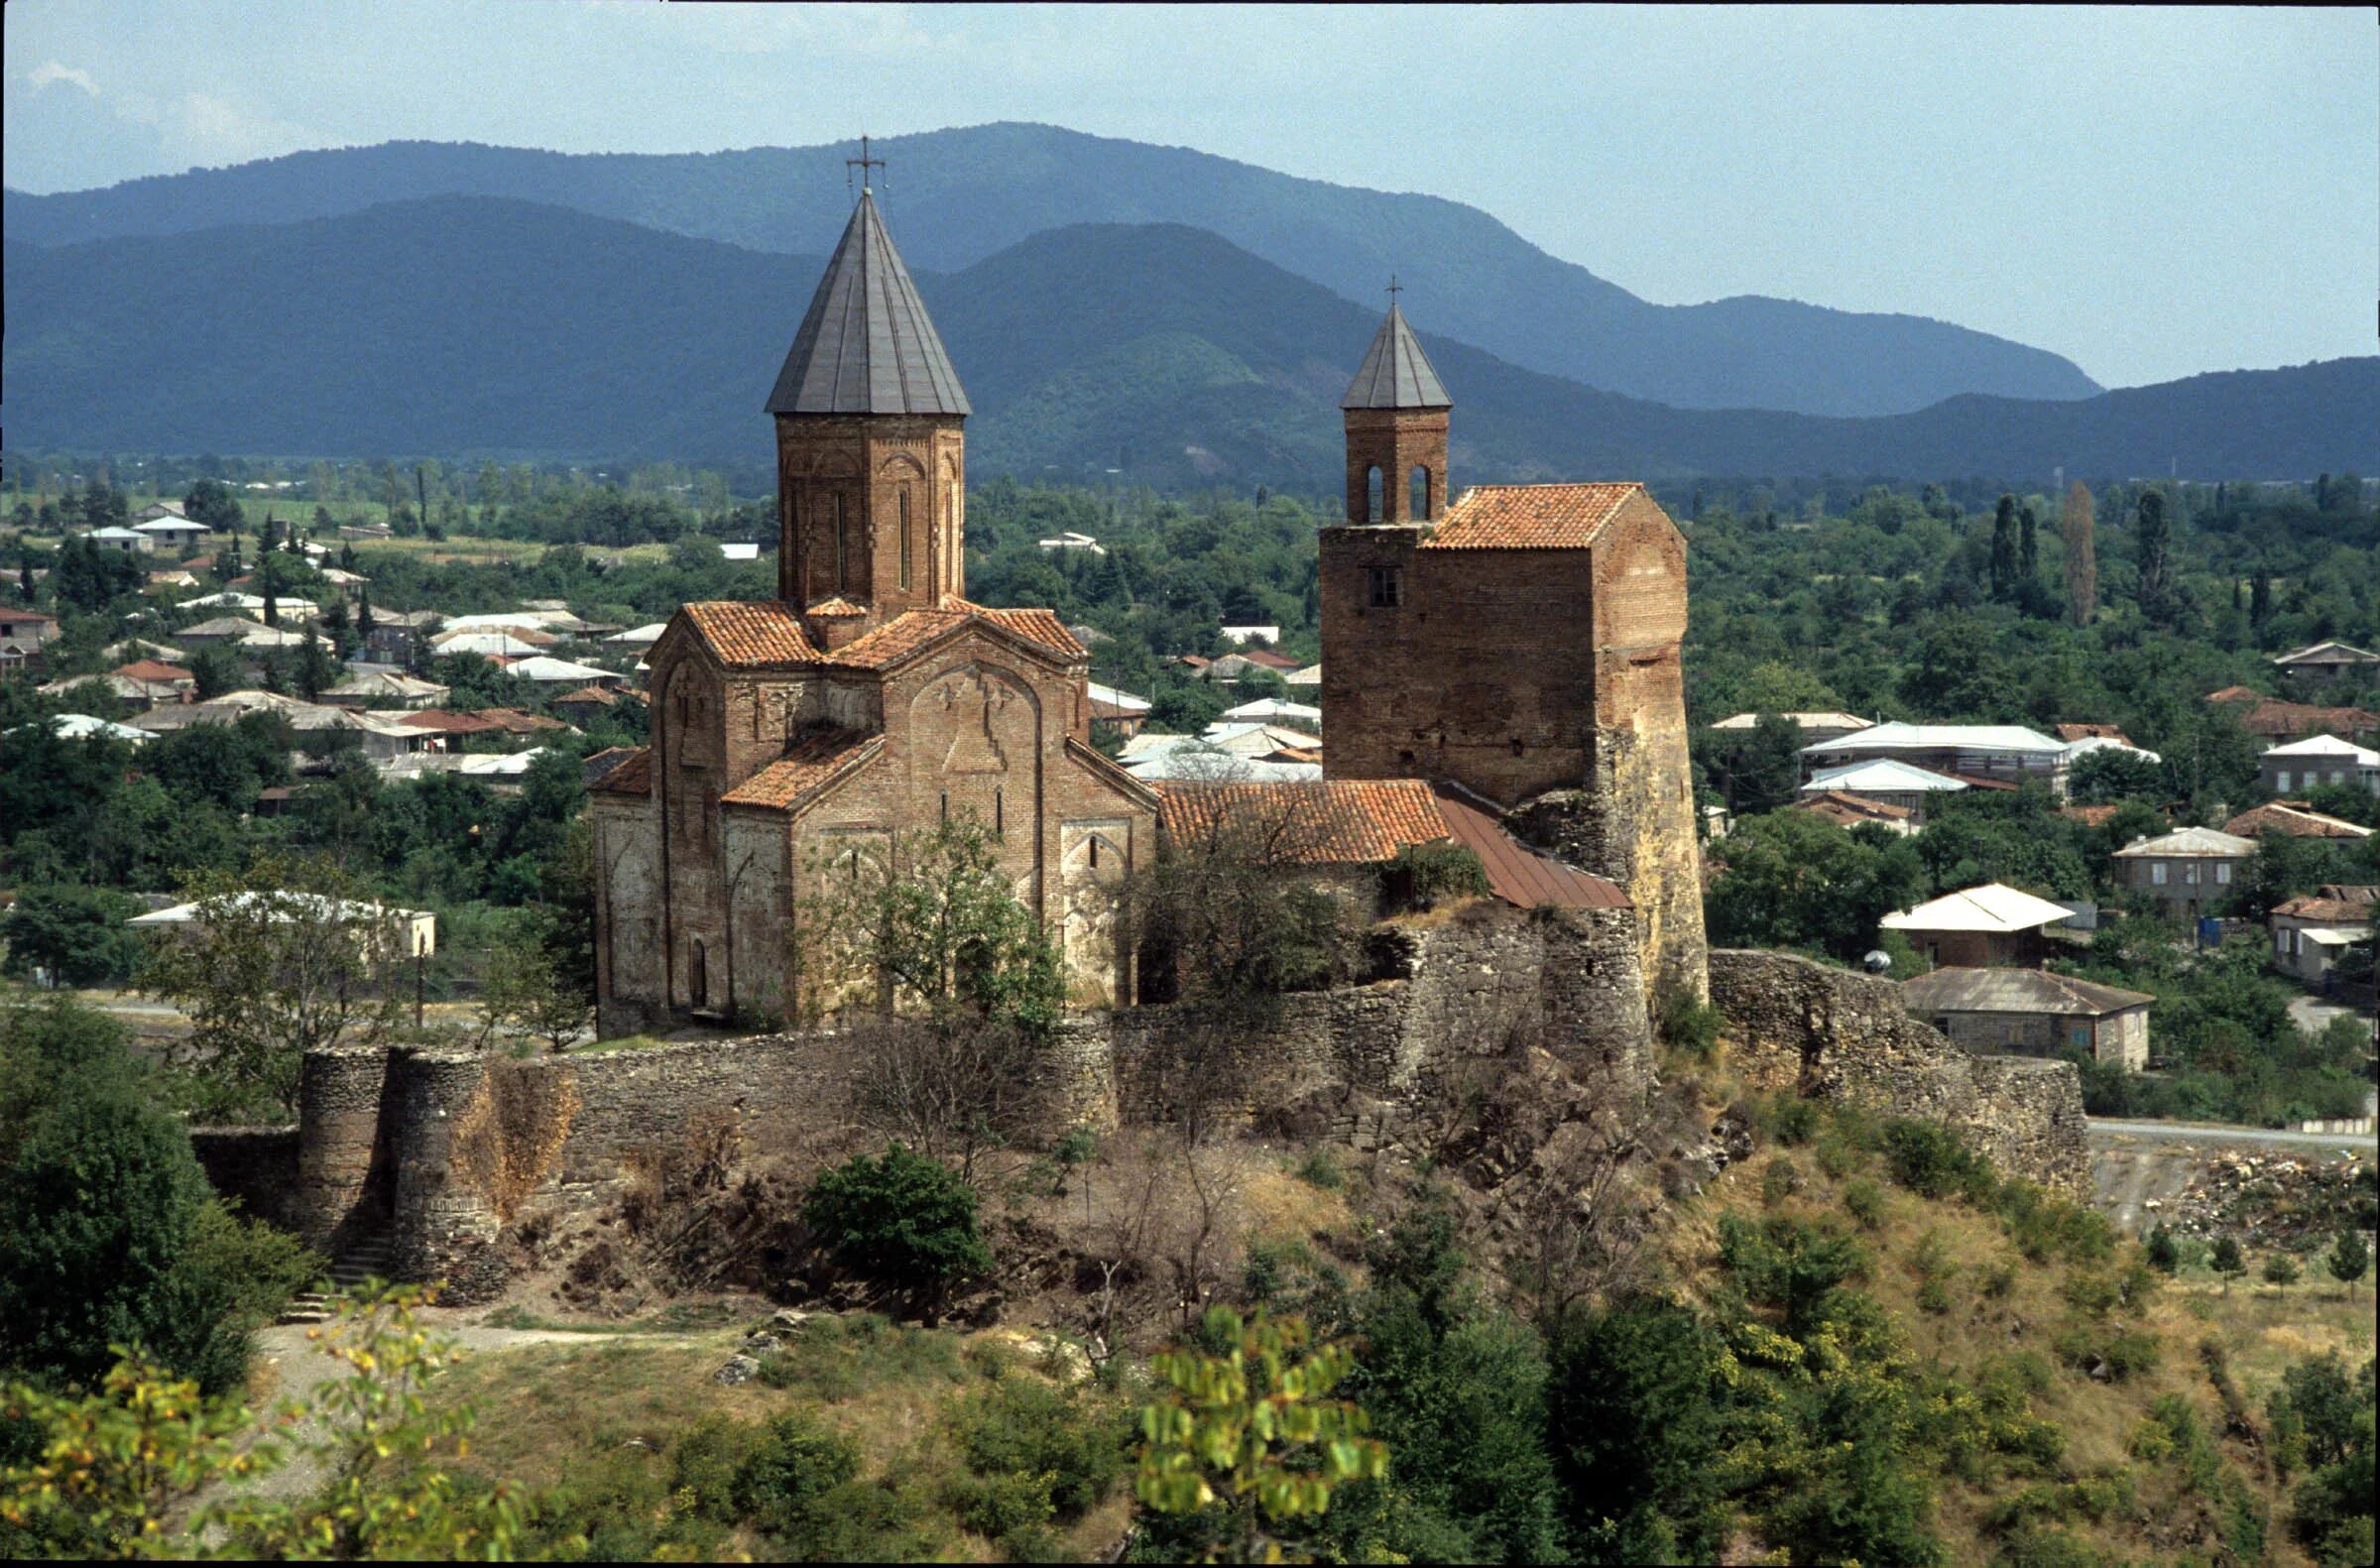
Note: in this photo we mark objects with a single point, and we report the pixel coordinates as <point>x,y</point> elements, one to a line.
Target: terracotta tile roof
<point>152,670</point>
<point>2279,720</point>
<point>596,765</point>
<point>515,722</point>
<point>2328,912</point>
<point>2236,694</point>
<point>835,609</point>
<point>2087,815</point>
<point>754,631</point>
<point>1324,822</point>
<point>1845,809</point>
<point>812,763</point>
<point>1033,625</point>
<point>1270,659</point>
<point>1529,516</point>
<point>2085,732</point>
<point>631,775</point>
<point>594,694</point>
<point>1517,874</point>
<point>2294,818</point>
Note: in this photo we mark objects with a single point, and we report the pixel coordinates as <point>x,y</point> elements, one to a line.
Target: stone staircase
<point>368,1257</point>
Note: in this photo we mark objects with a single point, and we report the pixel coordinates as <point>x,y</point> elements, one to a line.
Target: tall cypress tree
<point>2153,539</point>
<point>2003,549</point>
<point>2077,523</point>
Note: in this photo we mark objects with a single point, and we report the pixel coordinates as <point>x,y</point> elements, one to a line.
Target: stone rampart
<point>1832,1035</point>
<point>255,1166</point>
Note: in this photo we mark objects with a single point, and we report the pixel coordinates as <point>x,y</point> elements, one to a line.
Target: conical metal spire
<point>1395,374</point>
<point>866,345</point>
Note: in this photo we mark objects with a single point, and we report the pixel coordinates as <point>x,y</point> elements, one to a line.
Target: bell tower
<point>1396,413</point>
<point>871,440</point>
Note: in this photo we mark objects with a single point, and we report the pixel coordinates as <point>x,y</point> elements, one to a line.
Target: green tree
<point>277,960</point>
<point>2280,1270</point>
<point>1793,880</point>
<point>211,505</point>
<point>2163,1254</point>
<point>1249,1431</point>
<point>2228,1260</point>
<point>2348,1259</point>
<point>930,919</point>
<point>903,1218</point>
<point>2153,538</point>
<point>77,934</point>
<point>2004,549</point>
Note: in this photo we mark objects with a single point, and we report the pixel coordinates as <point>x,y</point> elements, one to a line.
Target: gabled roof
<point>866,344</point>
<point>808,766</point>
<point>1880,776</point>
<point>2331,653</point>
<point>2326,910</point>
<point>2294,818</point>
<point>1517,874</point>
<point>632,775</point>
<point>750,632</point>
<point>2016,990</point>
<point>151,669</point>
<point>1530,517</point>
<point>2192,842</point>
<point>1395,373</point>
<point>1994,907</point>
<point>1805,721</point>
<point>2326,746</point>
<point>1845,809</point>
<point>1324,822</point>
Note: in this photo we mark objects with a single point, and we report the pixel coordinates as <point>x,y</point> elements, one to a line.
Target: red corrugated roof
<point>1517,874</point>
<point>1338,821</point>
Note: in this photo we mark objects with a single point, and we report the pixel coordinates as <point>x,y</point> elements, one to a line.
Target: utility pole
<point>421,984</point>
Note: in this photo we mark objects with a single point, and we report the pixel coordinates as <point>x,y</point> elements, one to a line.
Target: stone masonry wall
<point>1832,1035</point>
<point>257,1165</point>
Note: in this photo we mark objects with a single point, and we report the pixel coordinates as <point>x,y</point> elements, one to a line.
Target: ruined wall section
<point>1832,1035</point>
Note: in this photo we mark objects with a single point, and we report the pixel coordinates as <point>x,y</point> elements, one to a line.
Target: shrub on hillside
<point>902,1218</point>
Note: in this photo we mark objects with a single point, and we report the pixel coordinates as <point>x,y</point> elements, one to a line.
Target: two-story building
<point>2188,871</point>
<point>1980,927</point>
<point>2318,760</point>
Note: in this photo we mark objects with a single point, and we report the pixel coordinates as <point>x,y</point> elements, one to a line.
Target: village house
<point>1116,713</point>
<point>1980,927</point>
<point>589,704</point>
<point>23,636</point>
<point>403,933</point>
<point>2275,720</point>
<point>385,688</point>
<point>1194,757</point>
<point>2188,872</point>
<point>171,535</point>
<point>1070,539</point>
<point>550,672</point>
<point>2318,760</point>
<point>1275,710</point>
<point>1847,810</point>
<point>2033,1012</point>
<point>2294,818</point>
<point>1909,790</point>
<point>2311,931</point>
<point>1814,727</point>
<point>2006,752</point>
<point>2326,662</point>
<point>124,540</point>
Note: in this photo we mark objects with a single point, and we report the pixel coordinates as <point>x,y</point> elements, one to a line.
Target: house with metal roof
<point>2327,661</point>
<point>2033,1012</point>
<point>2311,933</point>
<point>2316,761</point>
<point>1814,727</point>
<point>1978,928</point>
<point>2008,752</point>
<point>1900,785</point>
<point>2188,872</point>
<point>1846,811</point>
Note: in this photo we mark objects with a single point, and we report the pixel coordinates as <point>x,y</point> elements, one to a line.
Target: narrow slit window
<point>999,813</point>
<point>842,548</point>
<point>945,805</point>
<point>1420,495</point>
<point>904,538</point>
<point>1375,489</point>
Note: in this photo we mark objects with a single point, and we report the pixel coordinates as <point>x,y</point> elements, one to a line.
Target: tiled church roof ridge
<point>751,631</point>
<point>808,766</point>
<point>1530,517</point>
<point>632,775</point>
<point>765,632</point>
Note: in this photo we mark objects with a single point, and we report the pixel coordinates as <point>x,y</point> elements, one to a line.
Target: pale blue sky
<point>2152,193</point>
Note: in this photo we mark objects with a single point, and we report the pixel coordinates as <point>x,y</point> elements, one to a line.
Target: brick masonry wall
<point>1829,1034</point>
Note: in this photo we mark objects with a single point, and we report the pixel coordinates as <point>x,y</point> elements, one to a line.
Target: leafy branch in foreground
<point>1253,1431</point>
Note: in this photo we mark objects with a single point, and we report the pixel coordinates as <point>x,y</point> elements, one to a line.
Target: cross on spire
<point>862,164</point>
<point>1394,289</point>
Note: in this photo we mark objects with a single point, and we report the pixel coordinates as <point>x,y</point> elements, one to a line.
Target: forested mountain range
<point>955,197</point>
<point>466,325</point>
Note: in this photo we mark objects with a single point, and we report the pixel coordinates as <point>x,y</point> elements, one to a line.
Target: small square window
<point>1387,587</point>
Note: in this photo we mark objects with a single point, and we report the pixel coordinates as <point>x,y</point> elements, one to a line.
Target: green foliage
<point>111,1234</point>
<point>76,934</point>
<point>1251,1432</point>
<point>2163,1254</point>
<point>2350,1259</point>
<point>904,1219</point>
<point>1424,874</point>
<point>1789,1264</point>
<point>1793,880</point>
<point>1691,1026</point>
<point>793,1466</point>
<point>1034,1454</point>
<point>1935,1163</point>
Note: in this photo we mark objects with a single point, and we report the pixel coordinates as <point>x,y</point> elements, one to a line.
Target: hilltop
<point>957,196</point>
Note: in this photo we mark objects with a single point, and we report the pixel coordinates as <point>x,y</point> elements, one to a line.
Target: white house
<point>1073,541</point>
<point>410,932</point>
<point>171,532</point>
<point>2316,761</point>
<point>2010,751</point>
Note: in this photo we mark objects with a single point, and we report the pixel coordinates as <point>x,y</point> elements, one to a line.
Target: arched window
<point>1419,509</point>
<point>698,977</point>
<point>905,536</point>
<point>1374,488</point>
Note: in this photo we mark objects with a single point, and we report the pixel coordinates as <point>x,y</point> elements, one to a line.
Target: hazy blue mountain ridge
<point>954,198</point>
<point>469,326</point>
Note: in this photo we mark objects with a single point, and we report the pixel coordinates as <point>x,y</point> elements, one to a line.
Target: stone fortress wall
<point>441,1149</point>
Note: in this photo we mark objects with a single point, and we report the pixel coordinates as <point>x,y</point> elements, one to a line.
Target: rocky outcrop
<point>1831,1035</point>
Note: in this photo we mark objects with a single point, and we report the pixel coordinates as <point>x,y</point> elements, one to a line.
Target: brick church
<point>1517,647</point>
<point>869,697</point>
